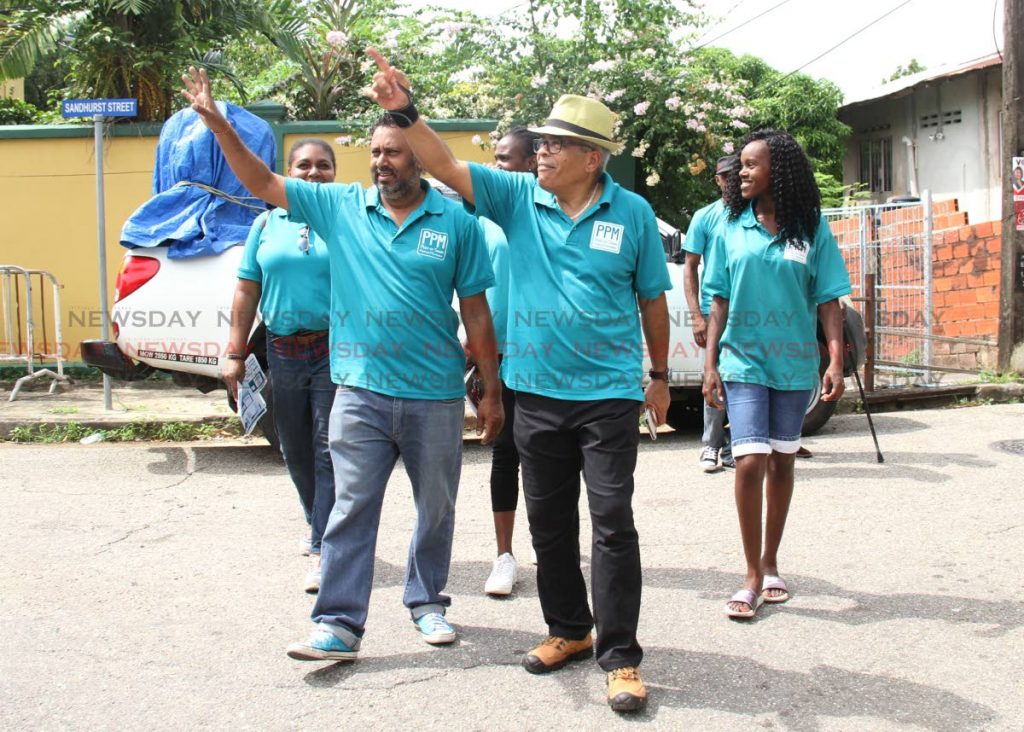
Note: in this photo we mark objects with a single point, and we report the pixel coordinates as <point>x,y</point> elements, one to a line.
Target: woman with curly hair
<point>777,270</point>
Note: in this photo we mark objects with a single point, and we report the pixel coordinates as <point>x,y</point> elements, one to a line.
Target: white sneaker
<point>709,460</point>
<point>304,546</point>
<point>503,576</point>
<point>312,584</point>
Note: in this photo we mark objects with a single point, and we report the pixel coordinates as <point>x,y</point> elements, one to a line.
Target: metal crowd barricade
<point>19,344</point>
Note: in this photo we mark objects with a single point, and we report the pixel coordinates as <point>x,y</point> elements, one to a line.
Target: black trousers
<point>505,460</point>
<point>557,439</point>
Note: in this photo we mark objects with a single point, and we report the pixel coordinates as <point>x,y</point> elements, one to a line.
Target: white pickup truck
<point>174,315</point>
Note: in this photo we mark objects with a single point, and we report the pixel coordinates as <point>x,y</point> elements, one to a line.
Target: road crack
<point>1003,531</point>
<point>190,469</point>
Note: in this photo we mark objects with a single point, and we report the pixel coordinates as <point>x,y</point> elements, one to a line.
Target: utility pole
<point>1011,296</point>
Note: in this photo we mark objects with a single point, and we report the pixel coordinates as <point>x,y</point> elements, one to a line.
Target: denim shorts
<point>762,419</point>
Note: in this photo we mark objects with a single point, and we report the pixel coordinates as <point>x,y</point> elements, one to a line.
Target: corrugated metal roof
<point>906,84</point>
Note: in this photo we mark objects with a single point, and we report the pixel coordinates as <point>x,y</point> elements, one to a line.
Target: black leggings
<point>505,460</point>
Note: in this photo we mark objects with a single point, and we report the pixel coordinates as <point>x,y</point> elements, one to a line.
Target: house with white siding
<point>937,130</point>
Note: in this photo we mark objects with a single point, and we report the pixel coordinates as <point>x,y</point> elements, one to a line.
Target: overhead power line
<point>849,37</point>
<point>736,28</point>
<point>995,40</point>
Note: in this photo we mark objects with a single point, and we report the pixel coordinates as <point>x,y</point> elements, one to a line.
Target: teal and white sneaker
<point>435,629</point>
<point>322,645</point>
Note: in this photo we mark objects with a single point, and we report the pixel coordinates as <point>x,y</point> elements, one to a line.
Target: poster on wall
<point>1017,183</point>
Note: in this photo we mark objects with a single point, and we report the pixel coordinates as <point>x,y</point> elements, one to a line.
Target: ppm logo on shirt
<point>433,244</point>
<point>606,237</point>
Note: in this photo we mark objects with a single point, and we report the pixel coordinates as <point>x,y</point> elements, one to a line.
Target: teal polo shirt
<point>699,236</point>
<point>573,324</point>
<point>295,286</point>
<point>497,296</point>
<point>774,288</point>
<point>393,329</point>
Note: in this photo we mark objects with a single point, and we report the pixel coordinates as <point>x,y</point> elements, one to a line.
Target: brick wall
<point>965,280</point>
<point>966,272</point>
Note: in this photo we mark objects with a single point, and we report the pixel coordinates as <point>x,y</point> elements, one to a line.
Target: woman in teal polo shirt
<point>285,271</point>
<point>777,270</point>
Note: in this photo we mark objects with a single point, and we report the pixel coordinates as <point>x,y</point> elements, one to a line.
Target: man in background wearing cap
<point>703,227</point>
<point>584,253</point>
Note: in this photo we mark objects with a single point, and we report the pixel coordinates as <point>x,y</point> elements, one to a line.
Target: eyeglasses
<point>555,144</point>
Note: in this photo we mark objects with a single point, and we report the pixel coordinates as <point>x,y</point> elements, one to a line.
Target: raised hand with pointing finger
<point>390,88</point>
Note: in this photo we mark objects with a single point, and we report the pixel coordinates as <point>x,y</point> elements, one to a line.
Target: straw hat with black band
<point>583,118</point>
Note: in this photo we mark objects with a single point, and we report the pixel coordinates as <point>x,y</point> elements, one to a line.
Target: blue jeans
<point>300,376</point>
<point>368,433</point>
<point>715,434</point>
<point>765,420</point>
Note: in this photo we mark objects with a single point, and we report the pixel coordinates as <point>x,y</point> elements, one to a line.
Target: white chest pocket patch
<point>607,237</point>
<point>433,244</point>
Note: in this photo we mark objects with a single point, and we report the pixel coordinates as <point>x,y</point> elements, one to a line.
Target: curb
<point>896,400</point>
<point>7,426</point>
<point>888,400</point>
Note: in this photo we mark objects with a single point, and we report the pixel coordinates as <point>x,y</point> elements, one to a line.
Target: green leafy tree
<point>261,68</point>
<point>451,56</point>
<point>310,57</point>
<point>678,109</point>
<point>17,112</point>
<point>319,48</point>
<point>835,194</point>
<point>625,53</point>
<point>914,67</point>
<point>804,107</point>
<point>123,48</point>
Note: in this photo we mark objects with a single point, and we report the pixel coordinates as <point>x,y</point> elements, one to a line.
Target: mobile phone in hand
<point>472,397</point>
<point>651,422</point>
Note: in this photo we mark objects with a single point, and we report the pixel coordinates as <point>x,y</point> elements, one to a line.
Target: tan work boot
<point>555,652</point>
<point>626,692</point>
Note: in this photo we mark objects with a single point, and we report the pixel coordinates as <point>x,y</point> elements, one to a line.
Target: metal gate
<point>20,345</point>
<point>894,242</point>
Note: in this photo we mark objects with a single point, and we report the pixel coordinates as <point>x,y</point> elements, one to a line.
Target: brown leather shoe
<point>626,692</point>
<point>555,652</point>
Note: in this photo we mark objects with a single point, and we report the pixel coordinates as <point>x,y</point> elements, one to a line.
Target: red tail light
<point>134,273</point>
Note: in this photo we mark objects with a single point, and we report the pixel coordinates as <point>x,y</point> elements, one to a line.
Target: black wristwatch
<point>663,375</point>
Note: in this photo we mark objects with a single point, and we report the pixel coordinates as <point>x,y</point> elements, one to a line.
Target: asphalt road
<point>155,586</point>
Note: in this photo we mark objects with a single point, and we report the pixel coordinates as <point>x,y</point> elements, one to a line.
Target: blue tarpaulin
<point>191,221</point>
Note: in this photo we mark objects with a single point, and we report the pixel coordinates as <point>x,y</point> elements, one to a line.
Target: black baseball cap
<point>727,164</point>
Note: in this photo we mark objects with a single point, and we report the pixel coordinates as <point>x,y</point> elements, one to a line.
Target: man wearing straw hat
<point>584,254</point>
